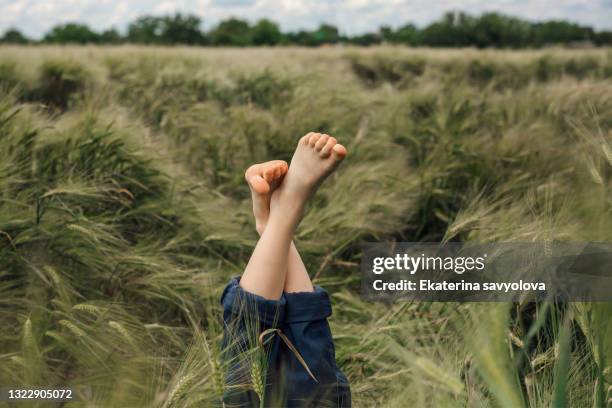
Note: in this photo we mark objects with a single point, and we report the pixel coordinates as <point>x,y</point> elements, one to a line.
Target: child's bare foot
<point>263,178</point>
<point>316,156</point>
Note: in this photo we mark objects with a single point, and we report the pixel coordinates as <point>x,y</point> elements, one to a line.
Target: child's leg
<point>306,312</point>
<point>246,315</point>
<point>306,326</point>
<point>314,159</point>
<point>297,279</point>
<point>263,179</point>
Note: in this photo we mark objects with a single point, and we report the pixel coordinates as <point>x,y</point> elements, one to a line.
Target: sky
<point>35,17</point>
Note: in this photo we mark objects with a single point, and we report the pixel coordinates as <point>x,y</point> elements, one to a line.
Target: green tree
<point>145,30</point>
<point>498,30</point>
<point>366,39</point>
<point>406,34</point>
<point>232,32</point>
<point>298,38</point>
<point>266,32</point>
<point>453,29</point>
<point>326,34</point>
<point>386,33</point>
<point>110,36</point>
<point>603,38</point>
<point>181,29</point>
<point>14,36</point>
<point>71,33</point>
<point>450,31</point>
<point>560,32</point>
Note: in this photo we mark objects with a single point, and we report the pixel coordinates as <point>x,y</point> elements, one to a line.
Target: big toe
<point>253,176</point>
<point>258,184</point>
<point>338,152</point>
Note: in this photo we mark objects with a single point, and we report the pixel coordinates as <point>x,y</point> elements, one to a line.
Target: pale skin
<point>279,194</point>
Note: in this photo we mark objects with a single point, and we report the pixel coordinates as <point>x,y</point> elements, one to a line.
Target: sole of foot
<point>316,157</point>
<point>263,179</point>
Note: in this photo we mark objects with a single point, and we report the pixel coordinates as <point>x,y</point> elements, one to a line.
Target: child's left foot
<point>263,178</point>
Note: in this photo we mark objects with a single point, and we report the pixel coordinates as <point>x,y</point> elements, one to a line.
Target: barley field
<point>124,211</point>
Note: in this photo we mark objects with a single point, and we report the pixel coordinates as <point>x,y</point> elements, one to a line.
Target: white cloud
<point>34,17</point>
<point>165,7</point>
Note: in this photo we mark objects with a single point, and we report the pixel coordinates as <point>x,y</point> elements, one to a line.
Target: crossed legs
<point>280,194</point>
<point>305,372</point>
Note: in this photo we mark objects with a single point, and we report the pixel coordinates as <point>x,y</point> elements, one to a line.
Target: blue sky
<point>34,17</point>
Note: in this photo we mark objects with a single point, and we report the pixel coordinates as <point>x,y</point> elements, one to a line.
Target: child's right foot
<point>263,178</point>
<point>316,157</point>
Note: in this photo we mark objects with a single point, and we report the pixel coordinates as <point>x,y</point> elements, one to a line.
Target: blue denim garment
<point>302,318</point>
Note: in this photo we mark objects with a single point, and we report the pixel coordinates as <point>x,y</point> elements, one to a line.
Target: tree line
<point>453,29</point>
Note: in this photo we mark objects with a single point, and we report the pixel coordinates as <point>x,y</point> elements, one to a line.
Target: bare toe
<point>253,176</point>
<point>268,174</point>
<point>273,170</point>
<point>326,150</point>
<point>321,142</point>
<point>263,177</point>
<point>338,152</point>
<point>313,139</point>
<point>306,138</point>
<point>305,175</point>
<point>258,184</point>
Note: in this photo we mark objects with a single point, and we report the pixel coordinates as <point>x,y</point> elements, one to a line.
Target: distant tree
<point>232,32</point>
<point>326,34</point>
<point>603,38</point>
<point>407,34</point>
<point>450,31</point>
<point>14,36</point>
<point>559,32</point>
<point>453,29</point>
<point>365,39</point>
<point>386,33</point>
<point>181,29</point>
<point>110,36</point>
<point>498,30</point>
<point>145,30</point>
<point>71,33</point>
<point>266,32</point>
<point>298,38</point>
